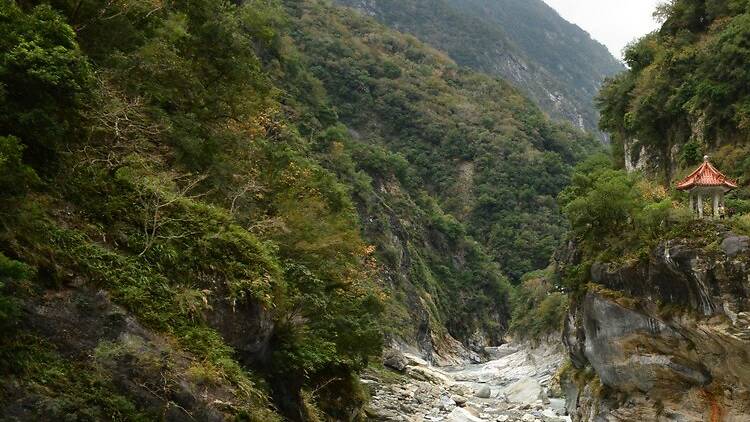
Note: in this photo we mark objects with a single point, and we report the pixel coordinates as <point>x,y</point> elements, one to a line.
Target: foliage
<point>183,190</point>
<point>44,77</point>
<point>16,178</point>
<point>497,169</point>
<point>537,308</point>
<point>11,272</point>
<point>687,84</point>
<point>65,389</point>
<point>615,214</point>
<point>494,38</point>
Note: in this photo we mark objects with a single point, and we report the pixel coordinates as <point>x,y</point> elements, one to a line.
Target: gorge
<point>314,210</point>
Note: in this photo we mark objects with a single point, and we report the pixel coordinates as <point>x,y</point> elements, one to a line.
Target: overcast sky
<point>613,23</point>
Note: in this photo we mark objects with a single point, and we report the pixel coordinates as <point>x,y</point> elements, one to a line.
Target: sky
<point>614,23</point>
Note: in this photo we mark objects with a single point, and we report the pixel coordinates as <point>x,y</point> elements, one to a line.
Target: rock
<point>447,403</point>
<point>549,413</point>
<point>624,336</point>
<point>428,374</point>
<point>472,411</point>
<point>378,413</point>
<point>461,415</point>
<point>394,359</point>
<point>557,405</point>
<point>484,392</point>
<point>733,245</point>
<point>526,390</point>
<point>528,417</point>
<point>503,418</point>
<point>82,322</point>
<point>501,351</point>
<point>460,400</point>
<point>414,360</point>
<point>634,371</point>
<point>371,385</point>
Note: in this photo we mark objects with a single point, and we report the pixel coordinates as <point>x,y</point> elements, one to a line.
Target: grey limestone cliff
<point>666,337</point>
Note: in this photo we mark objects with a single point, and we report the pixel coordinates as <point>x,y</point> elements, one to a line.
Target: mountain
<point>224,210</point>
<point>552,61</point>
<point>658,322</point>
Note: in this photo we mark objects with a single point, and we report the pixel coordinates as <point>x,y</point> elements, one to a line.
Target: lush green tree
<point>44,78</point>
<point>538,309</point>
<point>11,272</point>
<point>16,178</point>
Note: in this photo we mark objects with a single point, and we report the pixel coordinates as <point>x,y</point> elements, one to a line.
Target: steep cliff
<point>665,337</point>
<point>659,326</point>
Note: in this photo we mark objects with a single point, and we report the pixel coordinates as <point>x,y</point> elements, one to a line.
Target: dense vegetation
<point>684,96</point>
<point>686,91</point>
<point>489,156</point>
<point>552,61</point>
<point>539,306</point>
<point>142,155</point>
<point>243,199</point>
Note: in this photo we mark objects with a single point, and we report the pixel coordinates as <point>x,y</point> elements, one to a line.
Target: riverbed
<point>518,383</point>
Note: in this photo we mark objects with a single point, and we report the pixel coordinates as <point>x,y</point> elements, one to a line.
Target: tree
<point>15,177</point>
<point>10,272</point>
<point>44,78</point>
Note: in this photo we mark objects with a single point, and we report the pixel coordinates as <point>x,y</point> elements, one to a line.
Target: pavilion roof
<point>706,176</point>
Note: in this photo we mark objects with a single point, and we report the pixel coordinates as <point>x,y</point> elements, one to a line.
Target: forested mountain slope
<point>486,153</point>
<point>552,61</point>
<point>222,210</point>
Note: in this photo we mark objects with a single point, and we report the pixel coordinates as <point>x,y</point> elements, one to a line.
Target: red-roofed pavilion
<point>706,181</point>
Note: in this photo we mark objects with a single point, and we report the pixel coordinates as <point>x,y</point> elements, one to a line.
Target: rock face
<point>668,337</point>
<point>90,330</point>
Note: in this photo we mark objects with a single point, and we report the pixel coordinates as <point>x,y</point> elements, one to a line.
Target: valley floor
<point>518,385</point>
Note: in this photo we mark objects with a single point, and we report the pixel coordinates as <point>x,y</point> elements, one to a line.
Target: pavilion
<point>706,182</point>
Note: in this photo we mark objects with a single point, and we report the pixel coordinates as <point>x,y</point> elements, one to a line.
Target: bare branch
<point>158,202</point>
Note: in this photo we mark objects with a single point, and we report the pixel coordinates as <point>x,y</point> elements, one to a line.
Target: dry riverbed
<point>517,385</point>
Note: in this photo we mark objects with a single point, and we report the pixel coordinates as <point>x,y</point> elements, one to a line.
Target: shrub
<point>742,224</point>
<point>15,177</point>
<point>10,272</point>
<point>617,213</point>
<point>538,308</point>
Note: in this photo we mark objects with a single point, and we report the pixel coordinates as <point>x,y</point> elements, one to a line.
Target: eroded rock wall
<point>667,337</point>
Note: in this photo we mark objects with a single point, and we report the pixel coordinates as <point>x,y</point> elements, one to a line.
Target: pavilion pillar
<point>700,205</point>
<point>692,202</point>
<point>716,204</point>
